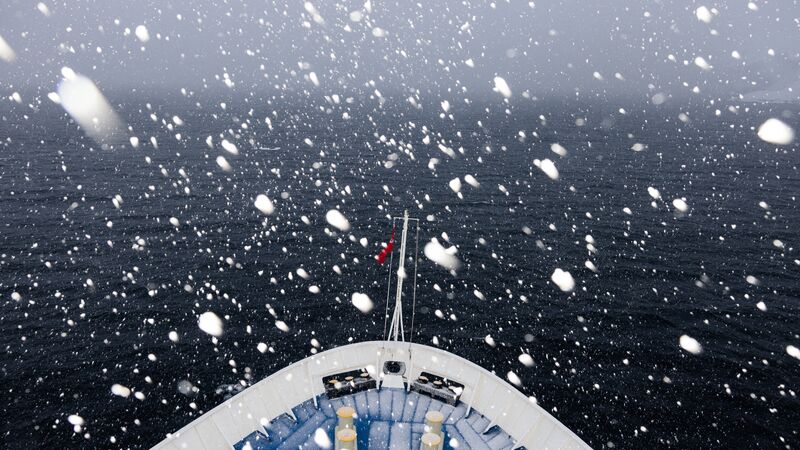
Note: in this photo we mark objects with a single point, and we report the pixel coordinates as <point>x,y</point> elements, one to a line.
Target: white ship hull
<point>486,403</point>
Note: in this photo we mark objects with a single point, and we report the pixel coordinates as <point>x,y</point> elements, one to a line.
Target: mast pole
<point>396,328</point>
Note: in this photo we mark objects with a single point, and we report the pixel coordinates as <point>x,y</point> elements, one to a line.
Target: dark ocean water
<point>607,359</point>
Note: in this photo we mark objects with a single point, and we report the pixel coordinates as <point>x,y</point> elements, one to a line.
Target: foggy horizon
<point>572,49</point>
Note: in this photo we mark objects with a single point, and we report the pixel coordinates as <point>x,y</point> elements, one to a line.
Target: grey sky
<point>552,47</point>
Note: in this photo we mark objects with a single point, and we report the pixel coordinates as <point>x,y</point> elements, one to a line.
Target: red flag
<point>381,258</point>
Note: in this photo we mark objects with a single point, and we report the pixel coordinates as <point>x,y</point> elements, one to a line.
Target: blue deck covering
<point>386,419</point>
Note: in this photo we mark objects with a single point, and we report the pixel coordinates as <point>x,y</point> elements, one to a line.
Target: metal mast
<point>396,328</point>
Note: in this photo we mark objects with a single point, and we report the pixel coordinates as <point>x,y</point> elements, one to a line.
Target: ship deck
<point>385,419</point>
<point>285,409</point>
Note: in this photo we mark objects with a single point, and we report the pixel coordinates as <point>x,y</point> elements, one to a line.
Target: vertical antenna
<point>389,286</point>
<point>396,329</point>
<point>414,294</point>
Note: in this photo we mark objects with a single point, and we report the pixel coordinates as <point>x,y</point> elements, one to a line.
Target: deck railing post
<point>474,393</point>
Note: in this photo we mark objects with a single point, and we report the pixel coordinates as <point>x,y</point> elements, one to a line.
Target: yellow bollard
<point>345,415</point>
<point>346,439</point>
<point>345,430</point>
<point>433,422</point>
<point>430,441</point>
